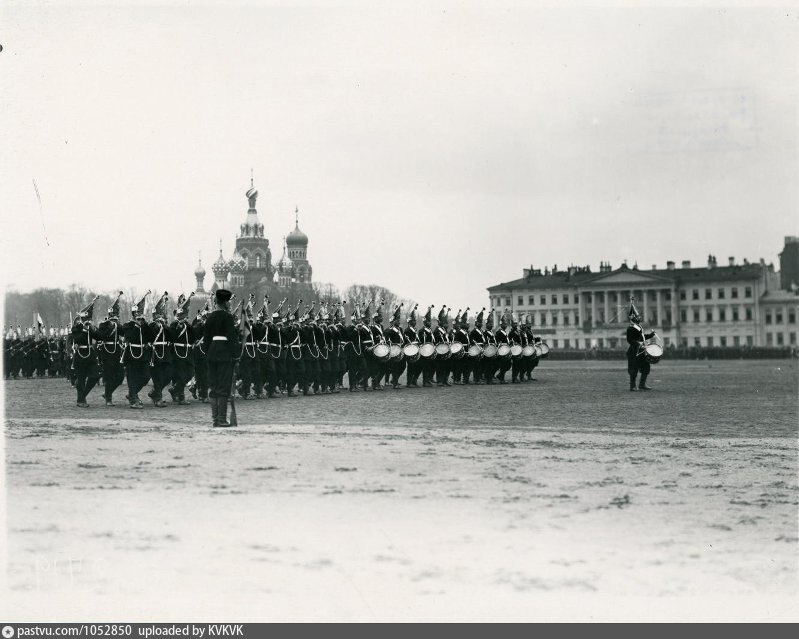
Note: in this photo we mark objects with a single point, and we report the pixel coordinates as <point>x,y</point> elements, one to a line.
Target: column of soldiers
<point>34,353</point>
<point>285,352</point>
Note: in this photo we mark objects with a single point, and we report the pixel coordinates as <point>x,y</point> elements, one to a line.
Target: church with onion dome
<point>251,268</point>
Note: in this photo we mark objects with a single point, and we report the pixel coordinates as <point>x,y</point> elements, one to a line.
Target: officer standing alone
<point>221,343</point>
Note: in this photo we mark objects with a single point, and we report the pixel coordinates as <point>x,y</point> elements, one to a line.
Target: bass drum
<point>395,352</point>
<point>442,350</point>
<point>475,351</point>
<point>428,351</point>
<point>411,351</point>
<point>544,349</point>
<point>528,351</point>
<point>504,351</point>
<point>490,351</point>
<point>381,351</point>
<point>456,350</point>
<point>516,351</point>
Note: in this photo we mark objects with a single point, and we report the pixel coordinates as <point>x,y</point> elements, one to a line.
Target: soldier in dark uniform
<point>110,352</point>
<point>515,338</point>
<point>259,330</point>
<point>53,354</point>
<point>490,364</point>
<point>352,348</point>
<point>272,348</point>
<point>476,337</point>
<point>425,336</point>
<point>378,367</point>
<point>87,371</point>
<point>338,363</point>
<point>316,363</point>
<point>182,337</point>
<point>461,366</point>
<point>221,343</point>
<point>530,362</point>
<point>368,365</point>
<point>395,336</point>
<point>328,360</point>
<point>200,388</point>
<point>161,353</point>
<point>136,354</point>
<point>248,367</point>
<point>411,337</point>
<point>441,336</point>
<point>295,365</point>
<point>636,357</point>
<point>502,337</point>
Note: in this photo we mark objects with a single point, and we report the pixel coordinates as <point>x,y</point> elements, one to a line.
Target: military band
<point>267,354</point>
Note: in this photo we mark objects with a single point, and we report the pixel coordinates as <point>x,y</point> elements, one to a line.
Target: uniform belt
<point>366,341</point>
<point>219,338</point>
<point>84,346</point>
<point>110,343</point>
<point>161,343</point>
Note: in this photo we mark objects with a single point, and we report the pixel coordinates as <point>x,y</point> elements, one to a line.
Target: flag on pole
<point>39,324</point>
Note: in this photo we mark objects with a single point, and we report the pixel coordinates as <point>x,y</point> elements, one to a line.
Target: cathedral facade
<point>251,270</point>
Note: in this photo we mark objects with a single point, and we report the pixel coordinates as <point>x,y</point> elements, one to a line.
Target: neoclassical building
<point>733,304</point>
<point>251,268</point>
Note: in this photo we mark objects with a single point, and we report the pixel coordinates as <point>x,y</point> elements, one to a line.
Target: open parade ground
<point>564,498</point>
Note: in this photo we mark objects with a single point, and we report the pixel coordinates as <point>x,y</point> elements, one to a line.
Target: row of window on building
<point>772,339</point>
<point>721,293</point>
<point>695,316</point>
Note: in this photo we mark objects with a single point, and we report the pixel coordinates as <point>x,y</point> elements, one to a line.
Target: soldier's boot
<point>221,403</point>
<point>632,382</point>
<point>173,394</point>
<point>642,384</point>
<point>215,411</point>
<point>193,391</point>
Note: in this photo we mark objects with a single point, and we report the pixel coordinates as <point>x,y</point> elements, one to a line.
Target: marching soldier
<point>182,355</point>
<point>476,337</point>
<point>426,337</point>
<point>221,343</point>
<point>530,362</point>
<point>410,336</point>
<point>395,336</point>
<point>200,387</point>
<point>338,331</point>
<point>259,330</point>
<point>636,359</point>
<point>366,336</point>
<point>310,351</point>
<point>87,372</point>
<point>53,354</point>
<point>272,345</point>
<point>353,349</point>
<point>503,338</point>
<point>515,338</point>
<point>441,336</point>
<point>490,364</point>
<point>378,367</point>
<point>160,355</point>
<point>249,366</point>
<point>110,350</point>
<point>461,366</point>
<point>324,338</point>
<point>295,366</point>
<point>137,338</point>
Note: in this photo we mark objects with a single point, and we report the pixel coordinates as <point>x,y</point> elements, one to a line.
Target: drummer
<point>411,337</point>
<point>515,338</point>
<point>489,363</point>
<point>461,367</point>
<point>529,362</point>
<point>395,337</point>
<point>476,338</point>
<point>440,336</point>
<point>636,356</point>
<point>379,366</point>
<point>426,337</point>
<point>503,338</point>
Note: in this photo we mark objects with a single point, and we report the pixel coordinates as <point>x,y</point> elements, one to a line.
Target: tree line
<point>55,305</point>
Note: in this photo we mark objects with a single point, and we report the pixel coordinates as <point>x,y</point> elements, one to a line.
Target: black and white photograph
<point>410,311</point>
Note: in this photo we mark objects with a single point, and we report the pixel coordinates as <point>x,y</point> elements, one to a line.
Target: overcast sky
<point>433,149</point>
